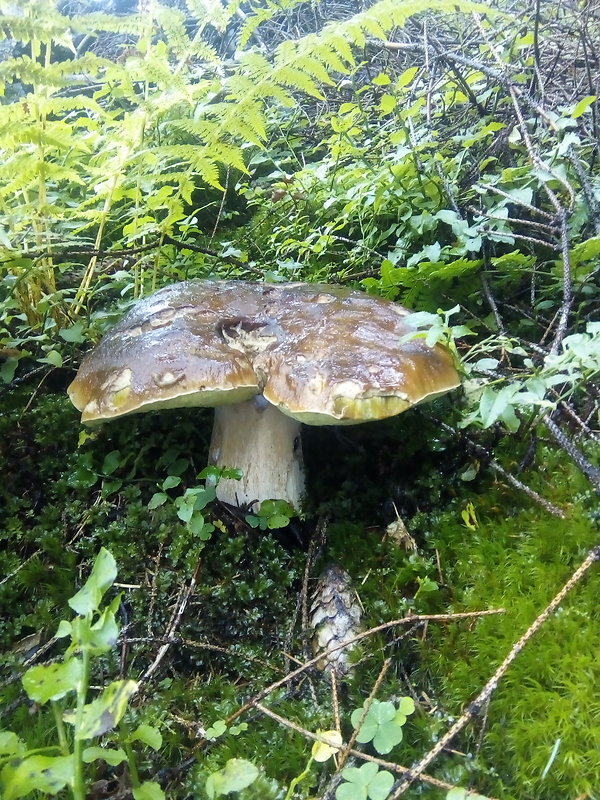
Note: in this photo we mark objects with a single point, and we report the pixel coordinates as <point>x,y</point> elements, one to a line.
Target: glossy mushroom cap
<point>323,355</point>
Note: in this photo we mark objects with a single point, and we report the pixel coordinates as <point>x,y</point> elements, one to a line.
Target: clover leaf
<point>365,783</point>
<point>382,723</point>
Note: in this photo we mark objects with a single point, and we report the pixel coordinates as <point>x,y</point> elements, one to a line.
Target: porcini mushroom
<point>268,357</point>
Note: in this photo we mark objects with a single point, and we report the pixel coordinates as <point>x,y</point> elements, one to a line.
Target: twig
<point>572,414</point>
<point>567,302</point>
<point>533,209</point>
<point>315,737</point>
<point>485,285</point>
<point>345,752</point>
<point>588,469</point>
<point>494,465</point>
<point>474,708</point>
<point>411,619</point>
<point>19,568</point>
<point>172,626</point>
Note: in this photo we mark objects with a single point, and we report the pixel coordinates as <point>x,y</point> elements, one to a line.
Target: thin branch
<point>588,469</point>
<point>173,624</point>
<point>315,737</point>
<point>345,752</point>
<point>411,619</point>
<point>493,464</point>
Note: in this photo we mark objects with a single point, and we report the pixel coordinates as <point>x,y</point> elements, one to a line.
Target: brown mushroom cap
<point>321,354</point>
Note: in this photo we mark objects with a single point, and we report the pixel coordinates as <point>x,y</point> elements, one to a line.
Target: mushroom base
<point>258,439</point>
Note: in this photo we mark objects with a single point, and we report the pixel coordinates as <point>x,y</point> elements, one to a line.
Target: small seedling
<point>270,515</point>
<point>92,632</point>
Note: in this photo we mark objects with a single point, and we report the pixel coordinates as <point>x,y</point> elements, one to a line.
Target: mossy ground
<point>242,630</point>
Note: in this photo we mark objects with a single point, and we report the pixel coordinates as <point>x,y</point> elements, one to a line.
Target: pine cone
<point>335,616</point>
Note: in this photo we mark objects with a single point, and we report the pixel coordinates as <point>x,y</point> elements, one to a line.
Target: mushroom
<point>268,357</point>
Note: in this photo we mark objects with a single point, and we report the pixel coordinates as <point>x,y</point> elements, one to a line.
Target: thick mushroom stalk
<point>264,444</point>
<point>268,357</point>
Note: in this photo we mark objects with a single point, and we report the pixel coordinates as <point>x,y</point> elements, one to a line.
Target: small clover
<point>382,724</point>
<point>365,783</point>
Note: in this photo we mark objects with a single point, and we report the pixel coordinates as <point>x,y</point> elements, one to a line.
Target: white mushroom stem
<point>264,444</point>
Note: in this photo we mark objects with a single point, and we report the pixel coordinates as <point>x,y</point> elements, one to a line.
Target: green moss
<point>245,605</point>
<point>518,562</point>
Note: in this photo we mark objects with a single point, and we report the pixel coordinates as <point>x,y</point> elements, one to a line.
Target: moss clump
<point>542,733</point>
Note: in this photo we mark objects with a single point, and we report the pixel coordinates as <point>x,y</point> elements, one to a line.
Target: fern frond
<point>304,58</point>
<point>385,15</point>
<point>42,26</point>
<point>172,23</point>
<point>205,166</point>
<point>132,24</point>
<point>216,14</point>
<point>226,153</point>
<point>243,120</point>
<point>259,16</point>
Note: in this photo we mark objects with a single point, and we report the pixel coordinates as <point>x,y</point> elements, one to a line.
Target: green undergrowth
<point>480,544</point>
<point>542,733</point>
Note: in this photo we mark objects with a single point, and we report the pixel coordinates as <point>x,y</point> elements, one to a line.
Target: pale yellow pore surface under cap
<point>321,354</point>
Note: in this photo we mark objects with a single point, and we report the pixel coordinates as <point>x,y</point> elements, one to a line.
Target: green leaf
<point>47,774</point>
<point>106,711</point>
<point>149,790</point>
<point>112,756</point>
<point>103,575</point>
<point>73,334</point>
<point>10,744</point>
<point>365,782</point>
<point>111,461</point>
<point>64,629</point>
<point>381,726</point>
<point>171,481</point>
<point>157,499</point>
<point>387,103</point>
<point>406,706</point>
<point>583,105</point>
<point>407,77</point>
<point>381,80</point>
<point>235,776</point>
<point>148,735</point>
<point>278,521</point>
<point>8,369</point>
<point>185,508</point>
<point>52,681</point>
<point>217,729</point>
<point>381,785</point>
<point>350,791</point>
<point>52,357</point>
<point>104,632</point>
